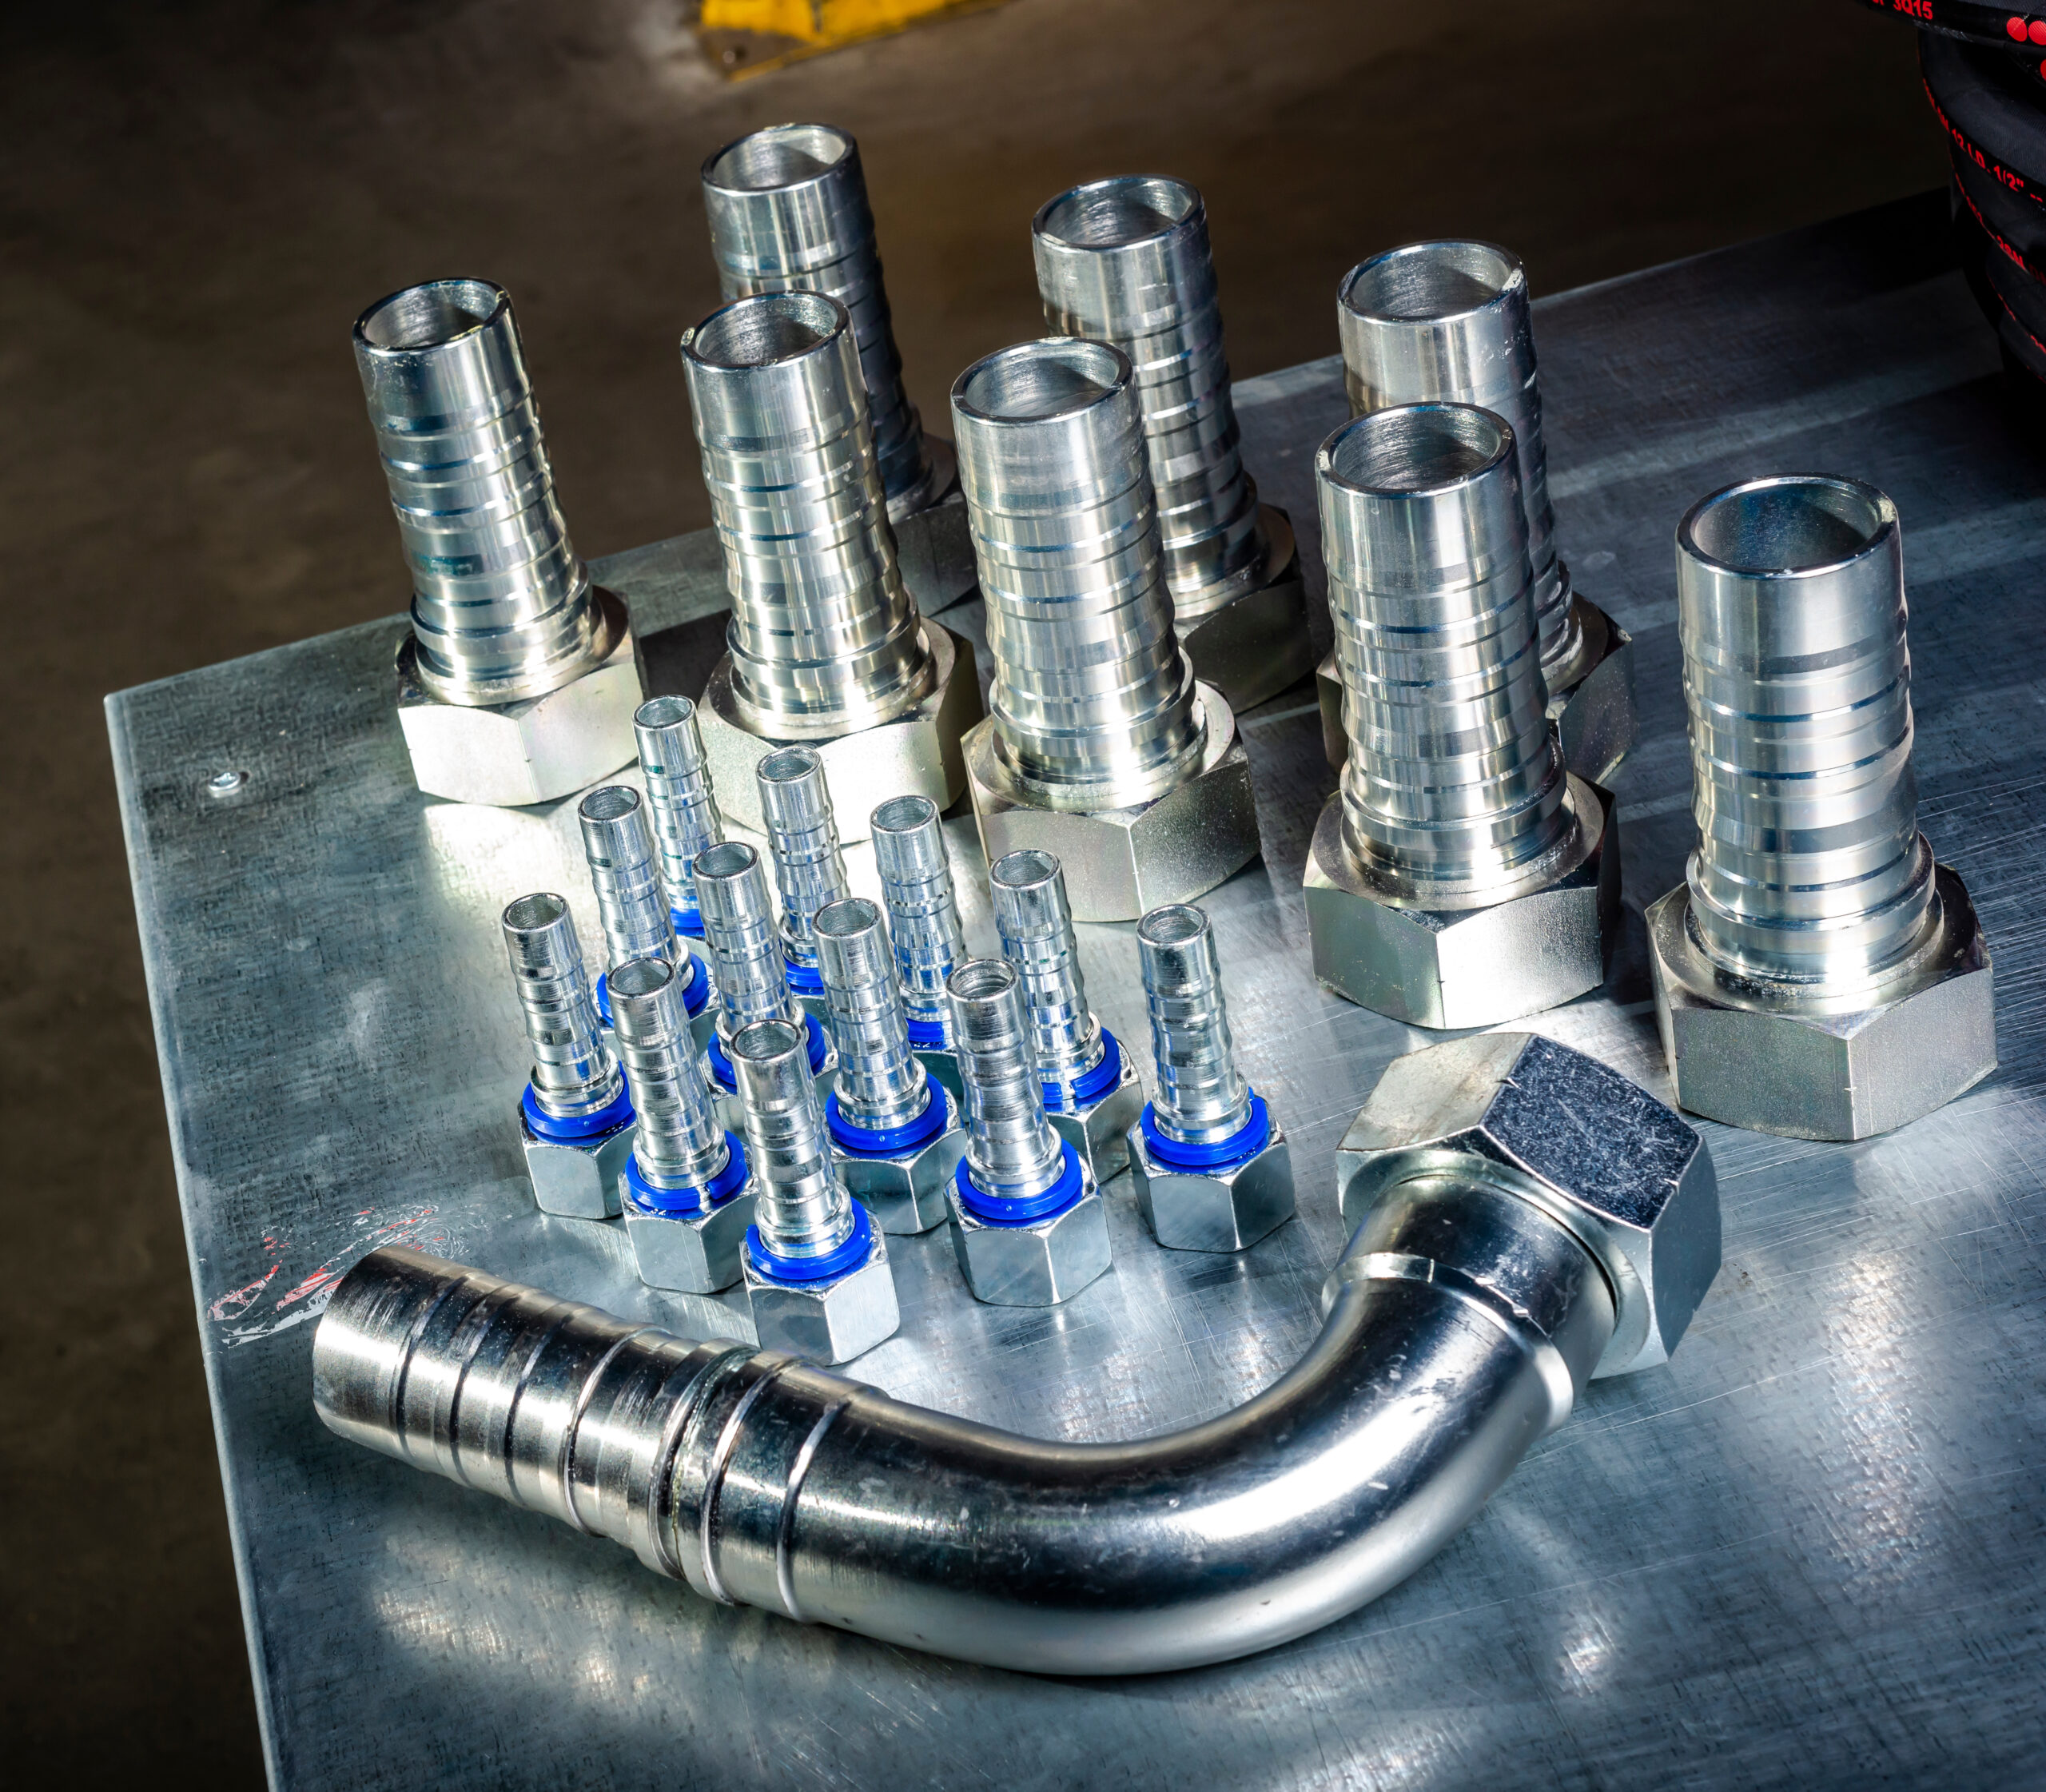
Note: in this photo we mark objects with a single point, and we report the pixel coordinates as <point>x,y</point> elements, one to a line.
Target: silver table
<point>1806,1552</point>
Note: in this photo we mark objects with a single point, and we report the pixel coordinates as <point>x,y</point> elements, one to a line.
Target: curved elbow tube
<point>1461,1322</point>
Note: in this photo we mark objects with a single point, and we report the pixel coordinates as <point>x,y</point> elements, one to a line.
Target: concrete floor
<point>198,201</point>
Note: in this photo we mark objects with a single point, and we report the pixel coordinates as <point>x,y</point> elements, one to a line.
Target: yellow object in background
<point>750,37</point>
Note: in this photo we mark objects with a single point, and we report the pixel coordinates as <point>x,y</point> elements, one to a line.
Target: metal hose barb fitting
<point>816,1265</point>
<point>1100,744</point>
<point>803,837</point>
<point>824,646</point>
<point>632,900</point>
<point>923,921</point>
<point>503,614</point>
<point>1028,1224</point>
<point>788,210</point>
<point>686,823</point>
<point>1817,974</point>
<point>575,1117</point>
<point>1460,877</point>
<point>1451,322</point>
<point>1126,261</point>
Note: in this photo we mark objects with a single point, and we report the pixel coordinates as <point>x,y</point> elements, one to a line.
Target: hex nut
<point>578,1182</point>
<point>1595,717</point>
<point>1467,967</point>
<point>1228,1208</point>
<point>1099,1129</point>
<point>905,1190</point>
<point>692,1253</point>
<point>1630,1177</point>
<point>1037,1264</point>
<point>1121,863</point>
<point>829,1320</point>
<point>917,754</point>
<point>1774,1059</point>
<point>509,755</point>
<point>1256,644</point>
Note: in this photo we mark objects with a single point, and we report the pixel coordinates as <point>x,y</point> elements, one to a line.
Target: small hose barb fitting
<point>631,898</point>
<point>803,837</point>
<point>923,920</point>
<point>740,934</point>
<point>686,820</point>
<point>575,1118</point>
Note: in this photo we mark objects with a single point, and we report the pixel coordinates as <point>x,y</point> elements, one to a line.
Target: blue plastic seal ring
<point>575,1128</point>
<point>800,1270</point>
<point>1246,1141</point>
<point>1097,1081</point>
<point>886,1141</point>
<point>997,1210</point>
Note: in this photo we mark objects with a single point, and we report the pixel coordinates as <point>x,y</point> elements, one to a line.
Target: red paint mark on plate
<point>250,1312</point>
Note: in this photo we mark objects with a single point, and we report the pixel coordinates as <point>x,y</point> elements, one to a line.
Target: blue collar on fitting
<point>997,1210</point>
<point>805,980</point>
<point>1097,1081</point>
<point>575,1128</point>
<point>695,991</point>
<point>886,1141</point>
<point>800,1270</point>
<point>926,1036</point>
<point>721,1066</point>
<point>687,921</point>
<point>1246,1141</point>
<point>680,1203</point>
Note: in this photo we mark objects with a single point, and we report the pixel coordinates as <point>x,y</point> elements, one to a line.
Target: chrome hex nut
<point>1630,1177</point>
<point>1039,1264</point>
<point>916,753</point>
<point>1592,704</point>
<point>1099,1129</point>
<point>1449,968</point>
<point>1255,644</point>
<point>1121,863</point>
<point>905,1191</point>
<point>578,1180</point>
<point>832,1320</point>
<point>1773,1059</point>
<point>692,1253</point>
<point>507,755</point>
<point>1227,1208</point>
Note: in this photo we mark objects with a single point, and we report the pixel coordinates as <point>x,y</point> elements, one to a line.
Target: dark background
<point>198,199</point>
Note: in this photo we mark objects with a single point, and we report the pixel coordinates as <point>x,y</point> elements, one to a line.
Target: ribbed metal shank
<point>1027,891</point>
<point>823,636</point>
<point>1091,689</point>
<point>1810,867</point>
<point>1126,261</point>
<point>803,838</point>
<point>1451,322</point>
<point>1454,781</point>
<point>800,1206</point>
<point>686,819</point>
<point>631,896</point>
<point>923,912</point>
<point>880,1083</point>
<point>573,1073</point>
<point>787,207</point>
<point>680,1144</point>
<point>1012,1149</point>
<point>501,603</point>
<point>740,935</point>
<point>1201,1096</point>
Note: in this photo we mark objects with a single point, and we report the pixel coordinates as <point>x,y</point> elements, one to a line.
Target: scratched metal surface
<point>1808,1551</point>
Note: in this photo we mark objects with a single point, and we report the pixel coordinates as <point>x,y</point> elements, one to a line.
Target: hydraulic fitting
<point>923,921</point>
<point>1091,1093</point>
<point>1460,877</point>
<point>1520,1114</point>
<point>1817,974</point>
<point>685,1196</point>
<point>1027,1221</point>
<point>686,823</point>
<point>826,650</point>
<point>575,1119</point>
<point>1126,261</point>
<point>1101,746</point>
<point>516,683</point>
<point>747,967</point>
<point>802,838</point>
<point>788,211</point>
<point>633,901</point>
<point>816,1265</point>
<point>895,1129</point>
<point>1211,1167</point>
<point>1450,323</point>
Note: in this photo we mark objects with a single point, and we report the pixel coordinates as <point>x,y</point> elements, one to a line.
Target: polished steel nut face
<point>1227,1208</point>
<point>831,1320</point>
<point>1628,1177</point>
<point>1256,644</point>
<point>916,753</point>
<point>577,1181</point>
<point>1595,717</point>
<point>1470,967</point>
<point>510,754</point>
<point>906,1193</point>
<point>1121,863</point>
<point>1764,1056</point>
<point>695,1253</point>
<point>1099,1129</point>
<point>1036,1265</point>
